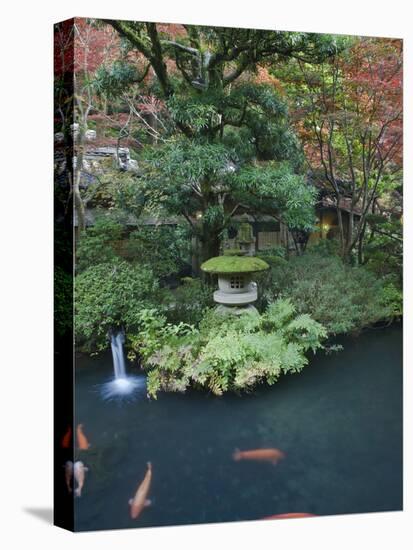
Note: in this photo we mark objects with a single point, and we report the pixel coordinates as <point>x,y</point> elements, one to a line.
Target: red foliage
<point>97,45</point>
<point>63,47</point>
<point>174,30</point>
<point>366,103</point>
<point>374,73</point>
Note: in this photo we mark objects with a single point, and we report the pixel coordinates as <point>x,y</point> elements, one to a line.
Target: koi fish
<point>267,455</point>
<point>79,471</point>
<point>69,475</point>
<point>67,439</point>
<point>291,515</point>
<point>139,501</point>
<point>82,441</point>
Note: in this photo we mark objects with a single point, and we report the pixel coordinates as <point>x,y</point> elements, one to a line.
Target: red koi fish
<point>67,439</point>
<point>265,455</point>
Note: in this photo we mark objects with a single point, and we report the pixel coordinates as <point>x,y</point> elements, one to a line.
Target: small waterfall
<point>116,341</point>
<point>121,384</point>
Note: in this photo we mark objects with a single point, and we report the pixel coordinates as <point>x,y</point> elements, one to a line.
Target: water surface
<point>339,423</point>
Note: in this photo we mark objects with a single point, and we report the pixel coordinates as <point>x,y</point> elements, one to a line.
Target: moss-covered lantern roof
<point>234,264</point>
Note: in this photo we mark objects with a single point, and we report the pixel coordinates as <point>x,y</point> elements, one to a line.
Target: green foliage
<point>274,256</point>
<point>325,248</point>
<point>63,301</point>
<point>226,353</point>
<point>341,297</point>
<point>166,249</point>
<point>108,295</point>
<point>392,298</point>
<point>384,247</point>
<point>192,110</point>
<point>188,302</point>
<point>383,256</point>
<point>204,179</point>
<point>116,191</point>
<point>186,161</point>
<point>113,80</point>
<point>264,279</point>
<point>96,245</point>
<point>184,177</point>
<point>267,122</point>
<point>274,187</point>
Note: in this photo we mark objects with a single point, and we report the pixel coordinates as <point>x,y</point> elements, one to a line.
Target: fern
<point>227,353</point>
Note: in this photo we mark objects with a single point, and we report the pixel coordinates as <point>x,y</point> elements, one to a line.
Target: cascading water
<point>121,384</point>
<point>116,342</point>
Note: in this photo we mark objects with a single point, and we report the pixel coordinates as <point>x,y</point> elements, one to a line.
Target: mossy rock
<point>234,264</point>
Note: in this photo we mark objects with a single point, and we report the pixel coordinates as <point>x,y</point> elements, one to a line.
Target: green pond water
<point>339,423</point>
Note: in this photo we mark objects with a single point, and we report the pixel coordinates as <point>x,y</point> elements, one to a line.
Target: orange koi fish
<point>266,455</point>
<point>140,500</point>
<point>291,515</point>
<point>82,441</point>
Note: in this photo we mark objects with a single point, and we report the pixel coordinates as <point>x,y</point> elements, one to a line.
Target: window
<point>237,282</point>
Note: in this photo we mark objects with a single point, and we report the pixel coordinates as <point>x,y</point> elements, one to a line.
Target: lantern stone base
<point>235,310</point>
<point>236,298</point>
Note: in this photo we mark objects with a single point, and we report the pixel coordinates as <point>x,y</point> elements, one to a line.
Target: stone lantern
<point>246,239</point>
<point>236,290</point>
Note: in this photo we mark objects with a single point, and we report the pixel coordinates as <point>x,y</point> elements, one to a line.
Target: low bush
<point>342,298</point>
<point>109,295</point>
<point>63,302</point>
<point>96,245</point>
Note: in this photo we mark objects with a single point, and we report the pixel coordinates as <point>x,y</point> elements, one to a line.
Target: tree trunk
<point>204,246</point>
<point>78,201</point>
<point>341,230</point>
<point>284,238</point>
<point>350,229</point>
<point>360,247</point>
<point>210,246</point>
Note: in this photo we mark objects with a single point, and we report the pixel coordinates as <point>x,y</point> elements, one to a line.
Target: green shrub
<point>393,297</point>
<point>63,301</point>
<point>325,248</point>
<point>341,297</point>
<point>166,249</point>
<point>111,295</point>
<point>273,251</point>
<point>188,302</point>
<point>96,244</point>
<point>226,352</point>
<point>383,251</point>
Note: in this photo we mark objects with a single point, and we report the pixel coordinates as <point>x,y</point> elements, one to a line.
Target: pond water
<point>339,423</point>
